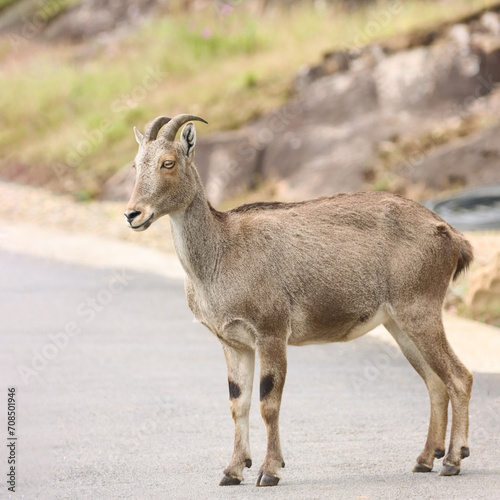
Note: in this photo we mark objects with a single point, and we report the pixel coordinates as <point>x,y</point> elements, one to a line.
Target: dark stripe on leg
<point>234,390</point>
<point>266,386</point>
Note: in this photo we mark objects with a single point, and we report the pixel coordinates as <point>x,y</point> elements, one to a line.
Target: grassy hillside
<point>68,111</point>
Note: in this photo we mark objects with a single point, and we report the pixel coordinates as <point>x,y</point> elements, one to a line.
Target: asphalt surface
<point>133,403</point>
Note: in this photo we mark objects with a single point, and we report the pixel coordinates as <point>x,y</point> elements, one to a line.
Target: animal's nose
<point>131,215</point>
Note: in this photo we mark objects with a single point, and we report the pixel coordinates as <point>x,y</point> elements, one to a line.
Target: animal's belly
<point>306,332</point>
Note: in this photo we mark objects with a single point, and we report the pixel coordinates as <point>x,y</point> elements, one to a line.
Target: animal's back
<point>356,229</point>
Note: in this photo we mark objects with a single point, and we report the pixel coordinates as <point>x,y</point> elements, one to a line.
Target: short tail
<point>465,258</point>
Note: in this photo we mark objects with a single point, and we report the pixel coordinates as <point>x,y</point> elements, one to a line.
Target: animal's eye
<point>169,164</point>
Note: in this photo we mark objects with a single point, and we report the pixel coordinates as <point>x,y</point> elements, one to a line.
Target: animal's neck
<point>197,237</point>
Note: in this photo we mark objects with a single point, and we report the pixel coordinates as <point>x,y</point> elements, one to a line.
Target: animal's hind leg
<point>425,328</point>
<point>438,394</point>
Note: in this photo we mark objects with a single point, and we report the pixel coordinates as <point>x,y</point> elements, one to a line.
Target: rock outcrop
<point>326,139</point>
<point>469,162</point>
<point>484,289</point>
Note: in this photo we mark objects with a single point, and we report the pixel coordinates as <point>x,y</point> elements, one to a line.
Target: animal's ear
<point>138,136</point>
<point>188,139</point>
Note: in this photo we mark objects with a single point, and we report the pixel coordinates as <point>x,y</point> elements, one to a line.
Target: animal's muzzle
<point>130,215</point>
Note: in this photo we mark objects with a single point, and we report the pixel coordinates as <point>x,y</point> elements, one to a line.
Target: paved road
<point>133,402</point>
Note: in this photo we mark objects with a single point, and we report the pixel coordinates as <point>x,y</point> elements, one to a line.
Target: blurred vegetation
<point>68,111</point>
<point>489,316</point>
<point>6,3</point>
<point>48,9</point>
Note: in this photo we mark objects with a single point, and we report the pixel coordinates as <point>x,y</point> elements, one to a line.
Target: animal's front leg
<point>272,354</point>
<point>240,370</point>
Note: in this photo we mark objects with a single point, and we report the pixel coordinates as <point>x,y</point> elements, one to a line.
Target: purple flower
<point>206,33</point>
<point>226,9</point>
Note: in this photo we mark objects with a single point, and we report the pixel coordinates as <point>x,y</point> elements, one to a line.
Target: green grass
<point>49,9</point>
<point>5,3</point>
<point>67,112</point>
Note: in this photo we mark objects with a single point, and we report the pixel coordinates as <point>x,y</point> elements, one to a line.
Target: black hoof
<point>438,453</point>
<point>465,451</point>
<point>229,481</point>
<point>248,463</point>
<point>266,480</point>
<point>421,468</point>
<point>449,470</point>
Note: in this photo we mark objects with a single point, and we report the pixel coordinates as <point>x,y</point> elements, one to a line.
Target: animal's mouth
<point>144,225</point>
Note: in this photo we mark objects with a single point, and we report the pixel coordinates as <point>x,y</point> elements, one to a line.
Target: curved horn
<point>154,127</point>
<point>176,123</point>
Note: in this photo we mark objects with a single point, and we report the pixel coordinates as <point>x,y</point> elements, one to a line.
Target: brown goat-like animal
<point>265,275</point>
